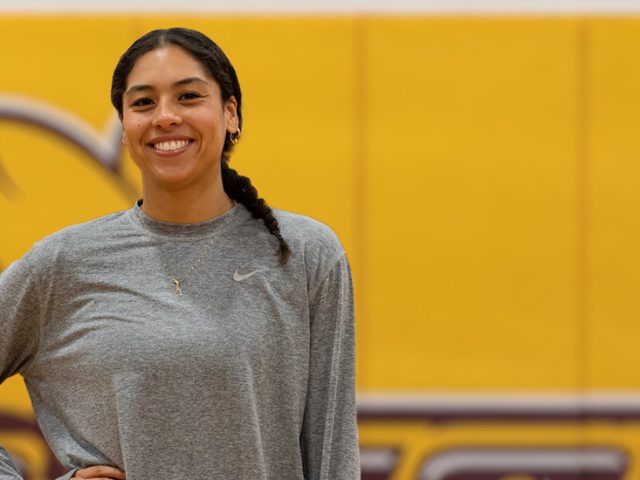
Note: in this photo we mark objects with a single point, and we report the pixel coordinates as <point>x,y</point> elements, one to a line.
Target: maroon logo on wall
<point>499,462</point>
<point>103,149</point>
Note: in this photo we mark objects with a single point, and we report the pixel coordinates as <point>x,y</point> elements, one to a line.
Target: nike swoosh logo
<point>239,278</point>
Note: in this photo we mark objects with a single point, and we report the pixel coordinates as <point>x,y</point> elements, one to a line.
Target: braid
<point>240,189</point>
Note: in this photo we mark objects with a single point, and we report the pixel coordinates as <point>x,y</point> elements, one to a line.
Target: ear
<point>231,115</point>
<point>124,138</point>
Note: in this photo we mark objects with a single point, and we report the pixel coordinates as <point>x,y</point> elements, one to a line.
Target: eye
<point>190,96</point>
<point>142,102</point>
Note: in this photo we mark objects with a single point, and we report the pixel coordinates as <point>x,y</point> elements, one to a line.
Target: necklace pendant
<point>177,284</point>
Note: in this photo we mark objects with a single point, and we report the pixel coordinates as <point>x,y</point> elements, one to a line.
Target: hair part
<point>216,64</point>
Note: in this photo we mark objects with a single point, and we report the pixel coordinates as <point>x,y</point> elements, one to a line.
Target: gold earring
<point>235,136</point>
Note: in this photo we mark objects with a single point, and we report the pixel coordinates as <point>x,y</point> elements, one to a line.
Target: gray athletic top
<point>249,374</point>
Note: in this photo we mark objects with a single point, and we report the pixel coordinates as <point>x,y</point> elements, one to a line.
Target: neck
<point>185,205</point>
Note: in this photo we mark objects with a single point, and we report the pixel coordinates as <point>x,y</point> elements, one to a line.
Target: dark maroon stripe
<point>15,423</point>
<point>498,416</point>
<point>499,475</point>
<point>375,476</point>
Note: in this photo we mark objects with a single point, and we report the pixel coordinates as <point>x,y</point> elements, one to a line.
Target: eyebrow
<point>179,83</point>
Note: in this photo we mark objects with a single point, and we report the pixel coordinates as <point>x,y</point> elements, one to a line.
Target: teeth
<point>171,145</point>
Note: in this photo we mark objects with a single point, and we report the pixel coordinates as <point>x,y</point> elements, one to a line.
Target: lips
<point>173,145</point>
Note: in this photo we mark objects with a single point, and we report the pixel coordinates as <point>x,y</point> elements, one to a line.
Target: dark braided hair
<point>216,63</point>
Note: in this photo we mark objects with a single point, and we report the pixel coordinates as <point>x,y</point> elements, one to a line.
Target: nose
<point>166,116</point>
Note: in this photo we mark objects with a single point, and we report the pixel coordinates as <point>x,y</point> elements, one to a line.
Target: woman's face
<point>174,120</point>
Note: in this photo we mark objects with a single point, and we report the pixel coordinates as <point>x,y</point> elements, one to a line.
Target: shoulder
<point>77,238</point>
<point>72,244</point>
<point>314,246</point>
<point>81,232</point>
<point>309,234</point>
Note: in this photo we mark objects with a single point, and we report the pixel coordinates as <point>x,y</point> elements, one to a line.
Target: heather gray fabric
<point>243,380</point>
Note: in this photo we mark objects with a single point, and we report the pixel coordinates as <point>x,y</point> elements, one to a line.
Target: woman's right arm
<point>20,330</point>
<point>21,325</point>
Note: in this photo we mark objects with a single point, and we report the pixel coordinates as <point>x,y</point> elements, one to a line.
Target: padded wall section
<point>472,207</point>
<point>58,75</point>
<point>613,123</point>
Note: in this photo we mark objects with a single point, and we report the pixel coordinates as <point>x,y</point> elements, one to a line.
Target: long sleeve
<point>19,333</point>
<point>329,438</point>
<point>20,323</point>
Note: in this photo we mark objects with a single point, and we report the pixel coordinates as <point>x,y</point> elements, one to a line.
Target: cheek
<point>215,124</point>
<point>131,133</point>
<point>131,128</point>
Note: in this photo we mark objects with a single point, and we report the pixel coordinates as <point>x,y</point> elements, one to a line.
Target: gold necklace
<point>178,283</point>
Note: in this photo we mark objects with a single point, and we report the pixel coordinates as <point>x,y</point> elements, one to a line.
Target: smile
<point>171,145</point>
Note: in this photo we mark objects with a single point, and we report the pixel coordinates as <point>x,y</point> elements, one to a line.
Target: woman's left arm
<point>329,439</point>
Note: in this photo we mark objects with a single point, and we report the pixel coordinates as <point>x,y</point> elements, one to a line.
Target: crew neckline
<point>186,230</point>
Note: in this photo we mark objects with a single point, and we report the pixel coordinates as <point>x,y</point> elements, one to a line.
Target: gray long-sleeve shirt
<point>248,375</point>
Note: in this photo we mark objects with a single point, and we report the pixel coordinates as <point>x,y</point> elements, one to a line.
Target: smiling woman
<point>199,334</point>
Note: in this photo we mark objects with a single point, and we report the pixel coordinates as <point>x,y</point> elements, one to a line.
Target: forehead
<point>166,64</point>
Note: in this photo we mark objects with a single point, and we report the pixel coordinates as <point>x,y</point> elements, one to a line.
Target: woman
<point>199,334</point>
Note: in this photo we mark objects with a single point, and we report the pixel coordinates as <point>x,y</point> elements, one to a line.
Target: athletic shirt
<point>247,375</point>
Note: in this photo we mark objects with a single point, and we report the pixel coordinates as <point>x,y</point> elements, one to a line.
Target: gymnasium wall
<point>482,172</point>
